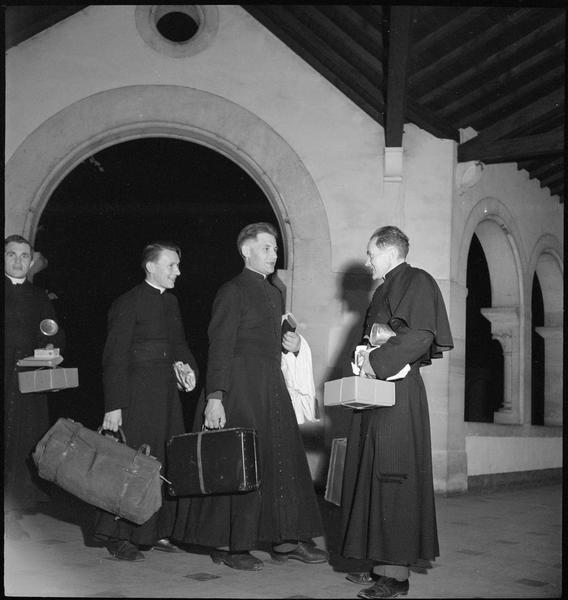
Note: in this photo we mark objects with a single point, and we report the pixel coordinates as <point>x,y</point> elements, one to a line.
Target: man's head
<point>258,246</point>
<point>160,261</point>
<point>18,256</point>
<point>387,247</point>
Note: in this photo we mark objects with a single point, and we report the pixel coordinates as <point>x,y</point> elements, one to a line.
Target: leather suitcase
<point>220,461</point>
<point>100,470</point>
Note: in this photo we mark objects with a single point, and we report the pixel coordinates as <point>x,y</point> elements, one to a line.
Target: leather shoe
<point>243,561</point>
<point>124,550</point>
<point>360,578</point>
<point>164,545</point>
<point>307,553</point>
<point>385,587</point>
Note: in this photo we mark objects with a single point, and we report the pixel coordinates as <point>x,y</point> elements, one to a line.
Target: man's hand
<point>113,420</point>
<point>214,414</point>
<point>366,368</point>
<point>291,341</point>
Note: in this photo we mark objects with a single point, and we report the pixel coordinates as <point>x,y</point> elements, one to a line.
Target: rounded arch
<point>547,263</point>
<point>120,114</point>
<point>495,227</point>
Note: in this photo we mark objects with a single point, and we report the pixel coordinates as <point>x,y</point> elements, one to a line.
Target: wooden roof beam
<point>523,118</point>
<point>513,150</point>
<point>398,51</point>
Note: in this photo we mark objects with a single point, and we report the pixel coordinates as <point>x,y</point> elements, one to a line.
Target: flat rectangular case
<point>221,461</point>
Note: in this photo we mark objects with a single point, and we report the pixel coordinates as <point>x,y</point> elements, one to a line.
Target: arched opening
<point>483,354</point>
<point>106,210</point>
<point>537,367</point>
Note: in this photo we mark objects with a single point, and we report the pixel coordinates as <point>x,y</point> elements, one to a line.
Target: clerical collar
<point>16,280</point>
<point>157,287</point>
<point>395,269</point>
<point>257,272</point>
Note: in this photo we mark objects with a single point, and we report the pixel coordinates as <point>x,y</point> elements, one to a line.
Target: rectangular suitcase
<point>220,461</point>
<point>100,470</point>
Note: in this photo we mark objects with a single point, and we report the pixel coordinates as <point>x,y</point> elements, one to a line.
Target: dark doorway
<point>537,370</point>
<point>483,355</point>
<point>102,215</point>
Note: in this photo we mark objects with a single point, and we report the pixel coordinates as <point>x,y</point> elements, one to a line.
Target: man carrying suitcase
<point>145,340</point>
<point>245,388</point>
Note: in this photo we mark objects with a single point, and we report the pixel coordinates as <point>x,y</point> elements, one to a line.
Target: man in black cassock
<point>388,509</point>
<point>145,338</point>
<point>245,388</point>
<point>26,417</point>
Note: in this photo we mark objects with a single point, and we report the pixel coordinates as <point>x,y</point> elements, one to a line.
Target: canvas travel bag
<point>100,470</point>
<point>217,461</point>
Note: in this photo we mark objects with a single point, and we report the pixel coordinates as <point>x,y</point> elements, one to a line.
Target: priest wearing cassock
<point>145,340</point>
<point>388,506</point>
<point>245,387</point>
<point>26,416</point>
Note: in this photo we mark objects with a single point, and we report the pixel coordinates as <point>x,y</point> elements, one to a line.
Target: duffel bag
<point>101,471</point>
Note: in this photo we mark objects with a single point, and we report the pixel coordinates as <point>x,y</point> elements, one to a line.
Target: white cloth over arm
<point>299,378</point>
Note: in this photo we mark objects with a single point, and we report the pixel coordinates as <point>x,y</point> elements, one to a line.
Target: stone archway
<point>494,226</point>
<point>89,125</point>
<point>547,264</point>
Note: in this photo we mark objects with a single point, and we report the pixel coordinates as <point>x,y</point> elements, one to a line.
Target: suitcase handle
<point>120,431</point>
<point>144,448</point>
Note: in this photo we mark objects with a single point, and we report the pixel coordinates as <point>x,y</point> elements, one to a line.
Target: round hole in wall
<point>177,27</point>
<point>175,30</point>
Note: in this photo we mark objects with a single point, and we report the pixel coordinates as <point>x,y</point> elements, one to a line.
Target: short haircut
<point>152,252</point>
<point>18,239</point>
<point>389,235</point>
<point>249,232</point>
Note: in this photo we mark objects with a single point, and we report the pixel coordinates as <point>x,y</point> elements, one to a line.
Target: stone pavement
<point>499,544</point>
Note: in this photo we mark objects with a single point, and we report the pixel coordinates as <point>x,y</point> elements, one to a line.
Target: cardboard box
<point>359,392</point>
<point>42,380</point>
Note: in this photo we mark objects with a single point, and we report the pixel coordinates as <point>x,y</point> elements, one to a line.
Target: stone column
<point>552,374</point>
<point>505,329</point>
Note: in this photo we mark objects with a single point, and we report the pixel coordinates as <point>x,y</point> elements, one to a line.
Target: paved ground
<point>505,544</point>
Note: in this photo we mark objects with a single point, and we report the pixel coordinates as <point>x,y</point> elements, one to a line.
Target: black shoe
<point>243,561</point>
<point>360,578</point>
<point>385,587</point>
<point>124,550</point>
<point>164,545</point>
<point>304,552</point>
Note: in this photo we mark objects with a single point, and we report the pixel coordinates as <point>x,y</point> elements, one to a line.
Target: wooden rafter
<point>400,20</point>
<point>512,150</point>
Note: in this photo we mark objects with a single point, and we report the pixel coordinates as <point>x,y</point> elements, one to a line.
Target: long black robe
<point>26,416</point>
<point>244,362</point>
<point>388,508</point>
<point>145,337</point>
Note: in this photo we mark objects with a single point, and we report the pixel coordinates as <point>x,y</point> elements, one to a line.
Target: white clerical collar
<point>255,271</point>
<point>16,280</point>
<point>158,287</point>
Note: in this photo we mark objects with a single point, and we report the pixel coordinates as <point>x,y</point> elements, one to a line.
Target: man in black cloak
<point>388,509</point>
<point>145,338</point>
<point>245,388</point>
<point>26,416</point>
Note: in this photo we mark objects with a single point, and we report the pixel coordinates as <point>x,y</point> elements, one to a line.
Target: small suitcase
<point>220,461</point>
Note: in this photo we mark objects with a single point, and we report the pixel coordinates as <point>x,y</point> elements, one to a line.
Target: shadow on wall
<point>354,291</point>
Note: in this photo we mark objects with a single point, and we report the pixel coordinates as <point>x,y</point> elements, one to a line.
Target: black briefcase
<point>219,461</point>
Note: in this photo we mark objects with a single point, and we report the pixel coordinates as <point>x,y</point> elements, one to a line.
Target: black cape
<point>145,337</point>
<point>244,362</point>
<point>388,510</point>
